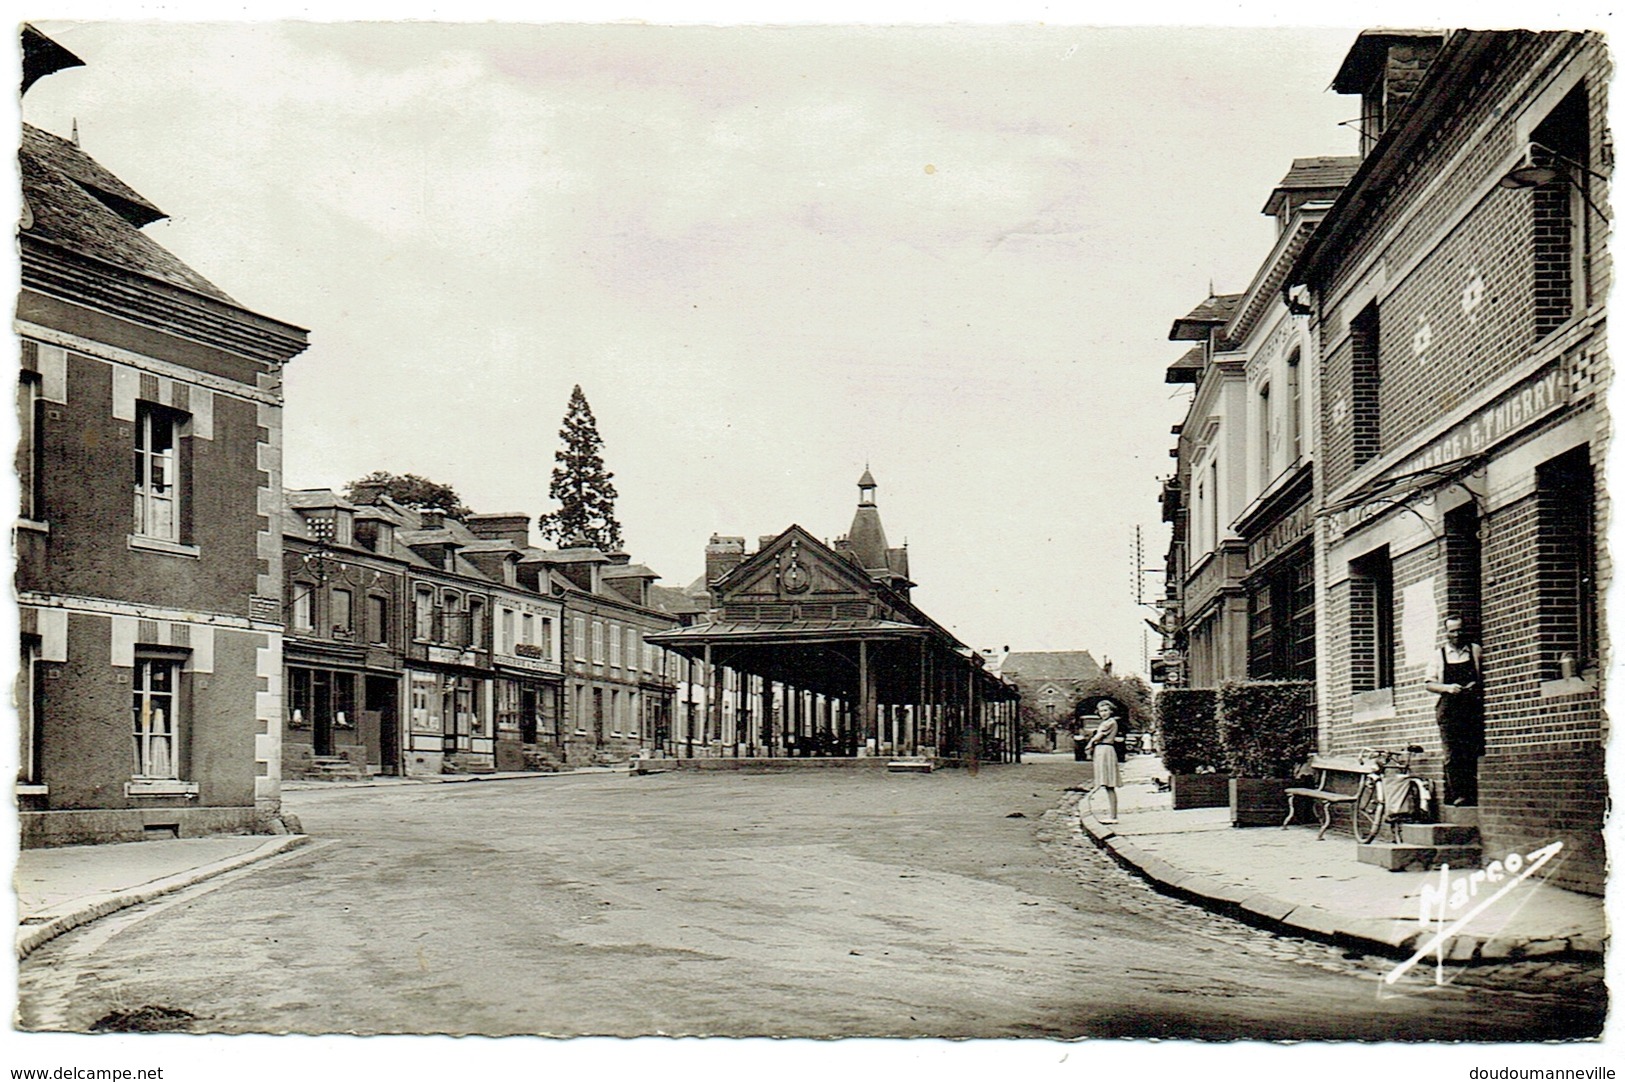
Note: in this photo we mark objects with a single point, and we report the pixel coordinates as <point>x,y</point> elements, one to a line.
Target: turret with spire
<point>866,541</point>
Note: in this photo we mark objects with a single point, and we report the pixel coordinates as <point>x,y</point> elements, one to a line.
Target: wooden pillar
<point>865,723</point>
<point>973,730</point>
<point>765,725</point>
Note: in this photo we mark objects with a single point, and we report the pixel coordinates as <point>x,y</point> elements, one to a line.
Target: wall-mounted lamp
<point>1538,170</point>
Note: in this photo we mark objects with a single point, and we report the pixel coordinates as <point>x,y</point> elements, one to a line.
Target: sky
<point>770,256</point>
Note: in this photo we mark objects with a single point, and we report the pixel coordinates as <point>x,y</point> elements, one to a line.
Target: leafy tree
<point>410,490</point>
<point>580,484</point>
<point>1131,694</point>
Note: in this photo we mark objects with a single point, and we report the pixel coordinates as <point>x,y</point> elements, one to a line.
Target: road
<point>812,904</point>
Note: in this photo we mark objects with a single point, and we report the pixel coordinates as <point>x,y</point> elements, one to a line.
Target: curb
<point>1394,938</point>
<point>33,936</point>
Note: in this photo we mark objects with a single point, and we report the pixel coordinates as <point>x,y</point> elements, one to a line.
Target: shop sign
<point>1289,528</point>
<point>529,649</point>
<point>1525,404</point>
<point>450,655</point>
<point>1534,399</point>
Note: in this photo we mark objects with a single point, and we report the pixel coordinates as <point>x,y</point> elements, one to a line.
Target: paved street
<point>815,904</point>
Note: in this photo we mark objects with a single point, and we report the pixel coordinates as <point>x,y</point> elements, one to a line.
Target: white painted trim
<point>30,525</point>
<point>141,543</point>
<point>159,787</point>
<point>24,789</point>
<point>100,351</point>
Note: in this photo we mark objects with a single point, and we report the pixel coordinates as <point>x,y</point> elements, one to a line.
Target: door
<point>527,715</point>
<point>382,694</point>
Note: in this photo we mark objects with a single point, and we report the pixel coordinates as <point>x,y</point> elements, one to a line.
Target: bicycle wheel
<point>1368,812</point>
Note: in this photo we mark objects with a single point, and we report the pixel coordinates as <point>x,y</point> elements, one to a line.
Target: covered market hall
<point>837,658</point>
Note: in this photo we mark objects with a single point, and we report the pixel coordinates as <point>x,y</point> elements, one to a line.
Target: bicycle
<point>1391,794</point>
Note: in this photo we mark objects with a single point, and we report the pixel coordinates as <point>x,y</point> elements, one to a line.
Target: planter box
<point>1257,802</point>
<point>1201,791</point>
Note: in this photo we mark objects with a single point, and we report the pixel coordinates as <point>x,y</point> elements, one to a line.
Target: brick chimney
<point>722,555</point>
<point>433,518</point>
<point>368,493</point>
<point>502,526</point>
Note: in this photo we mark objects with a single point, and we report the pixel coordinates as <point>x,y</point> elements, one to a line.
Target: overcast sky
<point>769,256</point>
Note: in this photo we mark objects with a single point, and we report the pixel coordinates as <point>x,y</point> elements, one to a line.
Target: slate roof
<point>1307,174</point>
<point>300,498</point>
<point>785,629</point>
<point>675,601</point>
<point>628,571</point>
<point>1051,665</point>
<point>73,202</point>
<point>1186,368</point>
<point>1215,311</point>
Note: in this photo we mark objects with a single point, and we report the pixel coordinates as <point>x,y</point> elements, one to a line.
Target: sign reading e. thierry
<point>1529,401</point>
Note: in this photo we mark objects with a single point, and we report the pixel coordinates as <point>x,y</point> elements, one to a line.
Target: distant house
<point>148,580</point>
<point>1051,684</point>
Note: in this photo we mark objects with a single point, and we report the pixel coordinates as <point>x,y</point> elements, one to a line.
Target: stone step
<point>909,766</point>
<point>1463,816</point>
<point>1437,834</point>
<point>1401,858</point>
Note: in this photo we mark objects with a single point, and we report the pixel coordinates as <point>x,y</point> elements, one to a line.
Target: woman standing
<point>1104,747</point>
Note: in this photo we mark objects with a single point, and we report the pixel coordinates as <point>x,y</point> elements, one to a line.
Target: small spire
<point>75,131</point>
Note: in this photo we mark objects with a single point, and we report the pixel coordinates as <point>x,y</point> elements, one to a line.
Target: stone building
<point>148,542</point>
<point>1457,297</point>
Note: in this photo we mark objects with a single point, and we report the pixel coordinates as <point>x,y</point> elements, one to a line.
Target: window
<point>378,619</point>
<point>343,618</point>
<point>546,642</point>
<point>1559,210</point>
<point>28,449</point>
<point>597,643</point>
<point>451,617</point>
<point>507,643</point>
<point>157,496</point>
<point>1264,434</point>
<point>304,595</point>
<point>423,613</point>
<point>528,624</point>
<point>578,632</point>
<point>1568,564</point>
<point>581,710</point>
<point>631,650</point>
<point>30,713</point>
<point>614,646</point>
<point>614,712</point>
<point>1371,621</point>
<point>1213,503</point>
<point>1365,334</point>
<point>154,702</point>
<point>476,622</point>
<point>1294,406</point>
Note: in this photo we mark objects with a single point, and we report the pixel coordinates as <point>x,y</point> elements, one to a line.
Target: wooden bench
<point>1337,781</point>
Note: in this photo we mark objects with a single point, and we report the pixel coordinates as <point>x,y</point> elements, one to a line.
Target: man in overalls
<point>1456,676</point>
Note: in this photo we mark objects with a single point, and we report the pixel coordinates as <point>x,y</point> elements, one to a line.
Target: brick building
<point>148,544</point>
<point>344,591</point>
<point>1457,289</point>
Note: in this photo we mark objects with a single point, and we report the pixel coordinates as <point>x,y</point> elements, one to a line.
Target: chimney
<point>619,558</point>
<point>433,518</point>
<point>722,555</point>
<point>368,493</point>
<point>504,526</point>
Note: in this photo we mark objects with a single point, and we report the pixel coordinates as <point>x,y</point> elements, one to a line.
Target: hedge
<point>1187,726</point>
<point>1266,728</point>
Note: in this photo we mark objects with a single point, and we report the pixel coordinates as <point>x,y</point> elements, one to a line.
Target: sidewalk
<point>61,888</point>
<point>1288,881</point>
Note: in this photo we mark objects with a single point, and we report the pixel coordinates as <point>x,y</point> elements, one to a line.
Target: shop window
<point>155,716</point>
<point>158,509</point>
<point>1371,621</point>
<point>1568,564</point>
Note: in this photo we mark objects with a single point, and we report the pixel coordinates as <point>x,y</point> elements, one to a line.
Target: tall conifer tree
<point>581,485</point>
